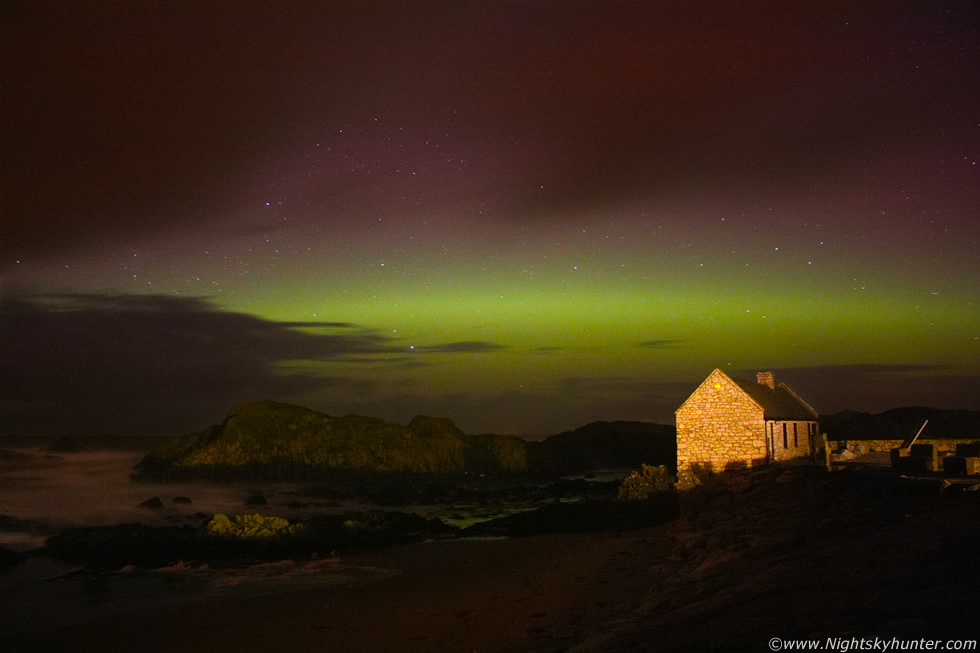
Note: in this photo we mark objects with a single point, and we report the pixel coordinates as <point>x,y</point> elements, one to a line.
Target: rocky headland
<point>274,441</point>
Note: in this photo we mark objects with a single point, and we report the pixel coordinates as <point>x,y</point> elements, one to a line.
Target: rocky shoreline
<point>775,552</point>
<point>502,508</point>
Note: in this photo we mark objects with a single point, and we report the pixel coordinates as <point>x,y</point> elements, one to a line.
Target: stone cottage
<point>732,423</point>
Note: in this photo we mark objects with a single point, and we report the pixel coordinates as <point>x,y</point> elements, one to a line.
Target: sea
<point>42,493</point>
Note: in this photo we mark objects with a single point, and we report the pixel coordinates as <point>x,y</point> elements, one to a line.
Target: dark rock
<point>255,499</point>
<point>7,454</point>
<point>152,504</point>
<point>9,559</point>
<point>13,525</point>
<point>113,547</point>
<point>64,445</point>
<point>18,458</point>
<point>185,501</point>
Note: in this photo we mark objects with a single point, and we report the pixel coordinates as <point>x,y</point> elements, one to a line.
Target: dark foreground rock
<point>9,559</point>
<point>16,458</point>
<point>138,545</point>
<point>64,445</point>
<point>799,553</point>
<point>498,509</point>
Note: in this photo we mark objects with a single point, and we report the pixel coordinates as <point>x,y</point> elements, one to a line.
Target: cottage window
<point>785,441</point>
<point>796,439</point>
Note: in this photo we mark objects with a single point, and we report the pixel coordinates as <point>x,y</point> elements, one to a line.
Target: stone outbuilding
<point>732,423</point>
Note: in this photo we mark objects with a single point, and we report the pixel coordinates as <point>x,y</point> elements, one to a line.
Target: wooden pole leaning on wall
<point>923,428</point>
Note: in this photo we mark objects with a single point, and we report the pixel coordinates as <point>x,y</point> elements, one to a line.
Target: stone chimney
<point>766,378</point>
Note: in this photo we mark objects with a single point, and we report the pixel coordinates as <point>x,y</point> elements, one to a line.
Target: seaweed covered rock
<point>270,440</point>
<point>255,525</point>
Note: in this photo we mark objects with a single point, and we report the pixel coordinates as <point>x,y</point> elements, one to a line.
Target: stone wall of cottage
<point>790,439</point>
<point>718,428</point>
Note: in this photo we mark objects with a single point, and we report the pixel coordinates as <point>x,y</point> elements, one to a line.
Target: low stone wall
<point>941,445</point>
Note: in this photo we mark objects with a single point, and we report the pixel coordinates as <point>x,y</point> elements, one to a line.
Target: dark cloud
<point>466,346</point>
<point>110,364</point>
<point>318,325</point>
<point>656,344</point>
<point>137,119</point>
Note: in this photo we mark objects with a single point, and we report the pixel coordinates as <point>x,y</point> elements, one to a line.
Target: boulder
<point>643,483</point>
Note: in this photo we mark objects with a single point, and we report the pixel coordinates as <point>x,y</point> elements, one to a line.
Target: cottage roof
<point>779,402</point>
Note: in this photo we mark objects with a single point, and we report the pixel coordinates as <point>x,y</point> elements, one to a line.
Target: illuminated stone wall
<point>721,428</point>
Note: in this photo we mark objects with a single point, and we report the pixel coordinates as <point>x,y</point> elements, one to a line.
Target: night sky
<point>524,216</point>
